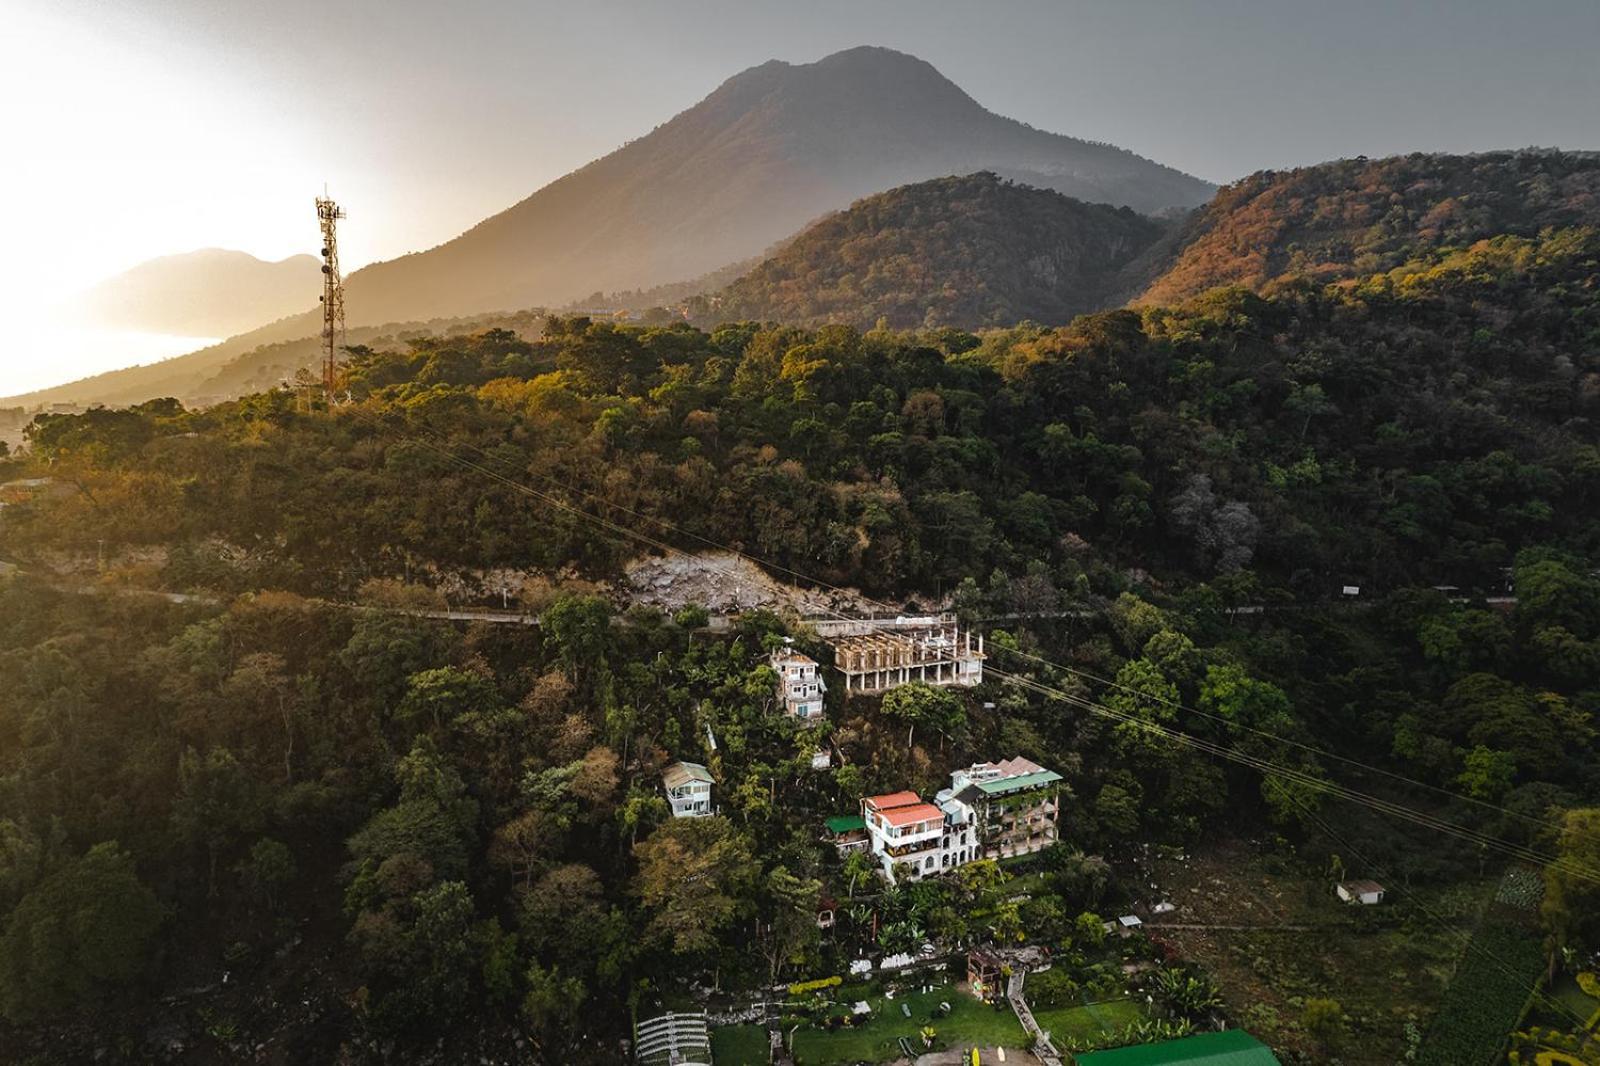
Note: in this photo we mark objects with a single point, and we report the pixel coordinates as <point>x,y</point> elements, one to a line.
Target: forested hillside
<point>406,838</point>
<point>966,251</point>
<point>1355,217</point>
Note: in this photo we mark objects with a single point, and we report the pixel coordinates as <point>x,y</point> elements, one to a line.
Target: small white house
<point>800,686</point>
<point>1366,893</point>
<point>688,787</point>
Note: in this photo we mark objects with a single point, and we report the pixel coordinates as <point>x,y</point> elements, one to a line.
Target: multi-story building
<point>800,685</point>
<point>990,811</point>
<point>876,655</point>
<point>906,833</point>
<point>688,787</point>
<point>1015,805</point>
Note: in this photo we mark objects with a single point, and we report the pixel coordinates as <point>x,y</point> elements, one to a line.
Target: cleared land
<point>1272,937</point>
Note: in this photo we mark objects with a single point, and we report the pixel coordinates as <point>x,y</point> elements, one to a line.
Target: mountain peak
<point>877,56</point>
<point>866,73</point>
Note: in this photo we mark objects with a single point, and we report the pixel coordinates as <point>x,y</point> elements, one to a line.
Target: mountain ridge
<point>208,292</point>
<point>786,143</point>
<point>781,144</point>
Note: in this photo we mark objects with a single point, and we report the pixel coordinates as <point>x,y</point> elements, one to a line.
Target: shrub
<point>802,987</point>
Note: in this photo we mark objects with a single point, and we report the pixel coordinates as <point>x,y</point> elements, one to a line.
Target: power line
<point>1260,764</point>
<point>1280,738</point>
<point>779,568</point>
<point>1311,781</point>
<point>1471,941</point>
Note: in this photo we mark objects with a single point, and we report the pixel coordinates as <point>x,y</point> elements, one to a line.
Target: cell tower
<point>328,215</point>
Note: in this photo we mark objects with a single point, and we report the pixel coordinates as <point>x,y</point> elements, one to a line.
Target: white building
<point>800,686</point>
<point>688,789</point>
<point>878,654</point>
<point>990,811</point>
<point>911,837</point>
<point>1363,892</point>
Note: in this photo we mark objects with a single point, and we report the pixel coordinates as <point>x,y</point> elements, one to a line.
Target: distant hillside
<point>235,368</point>
<point>964,251</point>
<point>1361,216</point>
<point>214,292</point>
<point>671,294</point>
<point>769,151</point>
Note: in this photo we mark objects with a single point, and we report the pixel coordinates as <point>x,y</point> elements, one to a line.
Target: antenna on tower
<point>328,216</point>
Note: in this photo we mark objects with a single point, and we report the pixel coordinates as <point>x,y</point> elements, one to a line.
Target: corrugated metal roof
<point>681,773</point>
<point>1018,784</point>
<point>1231,1047</point>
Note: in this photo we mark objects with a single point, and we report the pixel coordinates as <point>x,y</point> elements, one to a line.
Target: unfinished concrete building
<point>876,655</point>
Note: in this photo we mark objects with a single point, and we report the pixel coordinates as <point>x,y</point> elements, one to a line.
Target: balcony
<point>918,848</point>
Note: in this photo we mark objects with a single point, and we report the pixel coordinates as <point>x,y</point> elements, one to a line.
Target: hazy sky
<point>138,128</point>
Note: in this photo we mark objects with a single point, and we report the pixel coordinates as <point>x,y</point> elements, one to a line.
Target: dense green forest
<point>405,837</point>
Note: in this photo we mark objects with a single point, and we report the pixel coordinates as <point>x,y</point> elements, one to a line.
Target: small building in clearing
<point>688,787</point>
<point>1363,892</point>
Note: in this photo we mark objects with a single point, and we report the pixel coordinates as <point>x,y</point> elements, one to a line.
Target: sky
<point>139,128</point>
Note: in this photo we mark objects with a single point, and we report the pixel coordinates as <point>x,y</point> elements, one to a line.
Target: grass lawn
<point>739,1045</point>
<point>1568,994</point>
<point>970,1024</point>
<point>1088,1026</point>
<point>1028,884</point>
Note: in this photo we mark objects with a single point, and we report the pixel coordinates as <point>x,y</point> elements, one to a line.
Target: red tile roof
<point>921,812</point>
<point>893,799</point>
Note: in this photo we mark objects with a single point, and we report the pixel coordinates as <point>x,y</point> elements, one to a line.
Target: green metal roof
<point>1018,784</point>
<point>682,773</point>
<point>1231,1047</point>
<point>845,823</point>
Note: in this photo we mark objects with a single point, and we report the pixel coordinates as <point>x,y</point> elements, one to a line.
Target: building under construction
<point>876,655</point>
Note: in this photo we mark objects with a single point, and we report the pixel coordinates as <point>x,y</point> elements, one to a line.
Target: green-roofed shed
<point>1231,1047</point>
<point>845,823</point>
